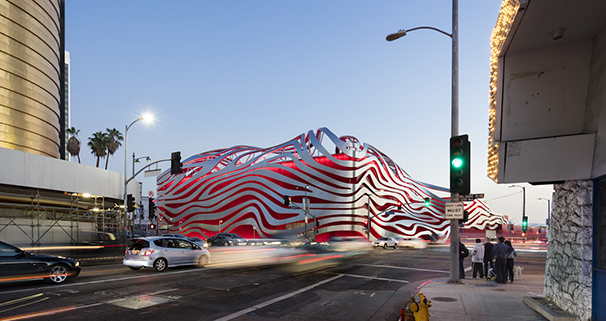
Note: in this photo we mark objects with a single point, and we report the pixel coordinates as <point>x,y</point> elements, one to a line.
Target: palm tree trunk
<point>98,161</point>
<point>106,161</point>
<point>78,159</point>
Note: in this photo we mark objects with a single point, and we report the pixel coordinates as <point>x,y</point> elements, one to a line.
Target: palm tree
<point>73,144</point>
<point>114,137</point>
<point>98,145</point>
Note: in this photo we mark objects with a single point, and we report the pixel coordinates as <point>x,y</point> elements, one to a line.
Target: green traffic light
<point>427,202</point>
<point>457,163</point>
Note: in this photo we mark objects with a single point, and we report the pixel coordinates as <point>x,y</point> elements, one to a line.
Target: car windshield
<point>138,244</point>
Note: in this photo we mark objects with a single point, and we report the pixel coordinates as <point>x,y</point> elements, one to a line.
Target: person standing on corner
<point>488,257</point>
<point>501,253</point>
<point>477,258</point>
<point>510,261</point>
<point>463,253</point>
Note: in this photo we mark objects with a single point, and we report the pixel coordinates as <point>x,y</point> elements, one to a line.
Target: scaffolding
<point>57,219</point>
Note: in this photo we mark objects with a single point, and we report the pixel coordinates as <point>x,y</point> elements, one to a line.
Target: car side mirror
<point>21,254</point>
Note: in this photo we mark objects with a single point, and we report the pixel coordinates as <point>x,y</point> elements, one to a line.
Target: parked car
<point>175,235</point>
<point>200,242</point>
<point>414,243</point>
<point>220,240</point>
<point>161,252</point>
<point>385,242</point>
<point>55,269</point>
<point>238,239</point>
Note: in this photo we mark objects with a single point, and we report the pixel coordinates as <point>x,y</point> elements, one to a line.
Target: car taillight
<point>148,252</point>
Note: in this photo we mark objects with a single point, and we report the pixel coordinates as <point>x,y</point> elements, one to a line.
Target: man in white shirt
<point>477,259</point>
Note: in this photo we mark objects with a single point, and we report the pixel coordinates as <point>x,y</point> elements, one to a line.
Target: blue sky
<point>221,73</point>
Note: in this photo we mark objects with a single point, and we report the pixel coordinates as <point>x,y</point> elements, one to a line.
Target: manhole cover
<point>443,299</point>
<point>140,302</point>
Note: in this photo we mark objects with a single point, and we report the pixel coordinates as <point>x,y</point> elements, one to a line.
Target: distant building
<point>43,197</point>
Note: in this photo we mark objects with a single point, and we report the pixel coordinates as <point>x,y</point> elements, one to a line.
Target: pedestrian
<point>501,253</point>
<point>463,253</point>
<point>510,261</point>
<point>477,258</point>
<point>488,257</point>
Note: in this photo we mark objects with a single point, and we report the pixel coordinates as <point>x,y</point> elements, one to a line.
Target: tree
<point>114,137</point>
<point>73,144</point>
<point>98,144</point>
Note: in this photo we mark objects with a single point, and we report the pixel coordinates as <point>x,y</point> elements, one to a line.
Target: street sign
<point>470,197</point>
<point>151,193</point>
<point>454,211</point>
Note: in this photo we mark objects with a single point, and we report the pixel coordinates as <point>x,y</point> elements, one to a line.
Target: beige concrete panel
<point>59,175</point>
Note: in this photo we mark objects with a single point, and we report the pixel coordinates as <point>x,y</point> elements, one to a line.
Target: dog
<point>491,274</point>
<point>517,272</point>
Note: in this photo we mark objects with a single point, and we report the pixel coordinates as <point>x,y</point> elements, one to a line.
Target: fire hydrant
<point>418,306</point>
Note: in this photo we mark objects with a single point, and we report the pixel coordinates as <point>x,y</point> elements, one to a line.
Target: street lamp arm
<point>381,213</point>
<point>134,121</point>
<point>402,32</point>
<point>146,166</point>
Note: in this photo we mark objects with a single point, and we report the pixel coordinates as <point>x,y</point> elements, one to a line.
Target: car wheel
<point>202,261</point>
<point>58,274</point>
<point>395,246</point>
<point>160,265</point>
<point>134,267</point>
<point>385,245</point>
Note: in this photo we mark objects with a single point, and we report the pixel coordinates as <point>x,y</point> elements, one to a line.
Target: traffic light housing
<point>152,208</point>
<point>152,227</point>
<point>130,203</point>
<point>286,200</point>
<point>427,202</point>
<point>524,223</point>
<point>176,167</point>
<point>366,224</point>
<point>465,217</point>
<point>460,165</point>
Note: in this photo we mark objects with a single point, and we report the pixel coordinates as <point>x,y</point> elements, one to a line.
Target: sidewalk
<point>480,299</point>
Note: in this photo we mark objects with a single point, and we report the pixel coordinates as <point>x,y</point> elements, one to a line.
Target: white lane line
<point>52,287</point>
<point>404,268</point>
<point>375,278</point>
<point>270,302</point>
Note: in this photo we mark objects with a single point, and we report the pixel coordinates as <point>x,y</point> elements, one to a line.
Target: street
<point>374,287</point>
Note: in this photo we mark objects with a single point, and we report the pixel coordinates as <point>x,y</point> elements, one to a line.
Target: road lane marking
<point>270,302</point>
<point>375,278</point>
<point>406,268</point>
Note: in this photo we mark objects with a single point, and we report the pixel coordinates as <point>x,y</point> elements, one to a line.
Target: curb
<point>546,312</point>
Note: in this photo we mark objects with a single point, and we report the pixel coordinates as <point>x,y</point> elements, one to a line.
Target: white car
<point>385,242</point>
<point>414,243</point>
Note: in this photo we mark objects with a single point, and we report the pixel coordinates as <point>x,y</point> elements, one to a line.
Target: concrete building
<point>548,126</point>
<point>42,196</point>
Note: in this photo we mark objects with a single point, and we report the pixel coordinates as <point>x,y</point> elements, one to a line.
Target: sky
<point>216,74</point>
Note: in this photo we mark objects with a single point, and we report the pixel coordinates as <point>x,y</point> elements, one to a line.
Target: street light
<point>146,118</point>
<point>220,226</point>
<point>523,199</point>
<point>136,161</point>
<point>454,224</point>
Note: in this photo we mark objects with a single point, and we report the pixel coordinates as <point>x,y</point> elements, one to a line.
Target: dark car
<point>237,238</point>
<point>16,262</point>
<point>220,240</point>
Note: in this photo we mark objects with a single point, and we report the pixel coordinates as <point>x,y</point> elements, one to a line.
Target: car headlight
<point>77,263</point>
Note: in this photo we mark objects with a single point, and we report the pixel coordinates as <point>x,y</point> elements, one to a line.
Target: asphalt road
<point>374,287</point>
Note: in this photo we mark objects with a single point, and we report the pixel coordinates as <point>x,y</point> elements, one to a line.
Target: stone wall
<point>569,254</point>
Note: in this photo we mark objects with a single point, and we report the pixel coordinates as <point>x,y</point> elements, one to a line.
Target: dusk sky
<point>221,73</point>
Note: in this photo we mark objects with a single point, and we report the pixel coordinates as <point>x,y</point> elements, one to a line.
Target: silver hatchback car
<point>161,252</point>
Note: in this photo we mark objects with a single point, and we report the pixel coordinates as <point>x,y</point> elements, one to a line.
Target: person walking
<point>463,253</point>
<point>488,257</point>
<point>510,261</point>
<point>477,258</point>
<point>501,253</point>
